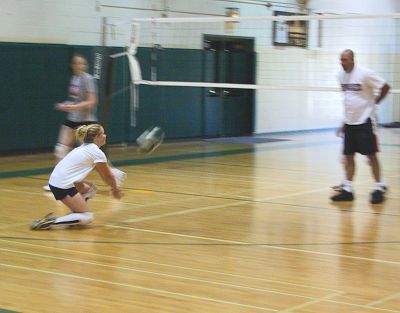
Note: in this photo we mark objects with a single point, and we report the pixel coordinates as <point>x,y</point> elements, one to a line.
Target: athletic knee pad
<point>60,150</point>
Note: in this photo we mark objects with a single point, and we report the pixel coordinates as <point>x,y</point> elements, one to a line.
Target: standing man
<point>358,85</point>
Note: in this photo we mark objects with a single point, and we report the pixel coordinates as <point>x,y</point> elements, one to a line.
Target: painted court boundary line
<point>322,299</point>
<point>158,291</point>
<point>169,265</point>
<point>188,156</point>
<point>7,311</point>
<point>182,212</point>
<point>388,298</point>
<point>264,246</point>
<point>287,145</point>
<point>132,205</point>
<point>161,274</point>
<point>182,295</point>
<point>326,298</point>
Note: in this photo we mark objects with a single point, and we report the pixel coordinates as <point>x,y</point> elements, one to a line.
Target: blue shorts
<point>60,193</point>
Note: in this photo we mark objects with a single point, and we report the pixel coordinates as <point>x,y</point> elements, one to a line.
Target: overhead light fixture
<point>231,12</point>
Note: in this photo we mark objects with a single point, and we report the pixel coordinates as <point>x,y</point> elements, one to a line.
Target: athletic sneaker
<point>46,188</point>
<point>377,196</point>
<point>338,187</point>
<point>43,223</point>
<point>90,193</point>
<point>343,195</point>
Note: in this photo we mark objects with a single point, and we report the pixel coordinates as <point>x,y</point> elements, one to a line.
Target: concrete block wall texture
<point>376,43</point>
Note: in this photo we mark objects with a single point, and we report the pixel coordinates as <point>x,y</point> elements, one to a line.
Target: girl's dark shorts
<point>75,125</point>
<point>60,193</point>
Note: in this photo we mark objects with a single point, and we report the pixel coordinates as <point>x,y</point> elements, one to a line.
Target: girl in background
<point>81,107</point>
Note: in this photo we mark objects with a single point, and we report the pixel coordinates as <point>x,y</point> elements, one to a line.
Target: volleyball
<point>150,139</point>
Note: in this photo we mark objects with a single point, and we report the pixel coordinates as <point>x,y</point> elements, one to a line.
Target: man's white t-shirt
<point>359,99</point>
<point>76,165</point>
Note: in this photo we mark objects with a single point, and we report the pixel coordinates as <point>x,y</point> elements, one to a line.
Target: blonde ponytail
<point>86,133</point>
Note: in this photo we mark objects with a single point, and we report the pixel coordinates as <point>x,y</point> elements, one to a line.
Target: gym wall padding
<point>35,76</point>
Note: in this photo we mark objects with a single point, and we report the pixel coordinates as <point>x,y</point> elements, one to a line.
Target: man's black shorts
<point>60,193</point>
<point>360,138</point>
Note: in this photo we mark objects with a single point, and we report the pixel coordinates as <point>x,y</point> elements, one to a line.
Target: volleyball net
<point>292,58</point>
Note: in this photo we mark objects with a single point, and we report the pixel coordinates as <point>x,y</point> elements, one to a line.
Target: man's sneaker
<point>338,187</point>
<point>343,195</point>
<point>43,223</point>
<point>46,188</point>
<point>377,196</point>
<point>90,193</point>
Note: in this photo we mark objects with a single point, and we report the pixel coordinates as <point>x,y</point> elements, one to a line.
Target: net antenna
<point>134,69</point>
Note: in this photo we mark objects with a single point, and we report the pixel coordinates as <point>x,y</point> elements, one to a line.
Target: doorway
<point>228,112</point>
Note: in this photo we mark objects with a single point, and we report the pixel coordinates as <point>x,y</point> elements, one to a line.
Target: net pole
<point>103,73</point>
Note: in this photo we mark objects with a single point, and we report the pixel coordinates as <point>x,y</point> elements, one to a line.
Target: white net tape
<point>119,22</point>
<point>368,33</point>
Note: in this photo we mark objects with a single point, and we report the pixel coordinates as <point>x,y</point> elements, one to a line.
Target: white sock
<point>348,185</point>
<point>382,186</point>
<point>75,219</point>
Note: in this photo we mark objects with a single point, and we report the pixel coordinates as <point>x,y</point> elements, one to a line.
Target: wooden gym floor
<point>208,227</point>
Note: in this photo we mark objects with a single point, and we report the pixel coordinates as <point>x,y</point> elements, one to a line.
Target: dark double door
<point>228,112</point>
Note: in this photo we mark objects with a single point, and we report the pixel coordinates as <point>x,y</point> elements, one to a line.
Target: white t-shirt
<point>76,165</point>
<point>359,99</point>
